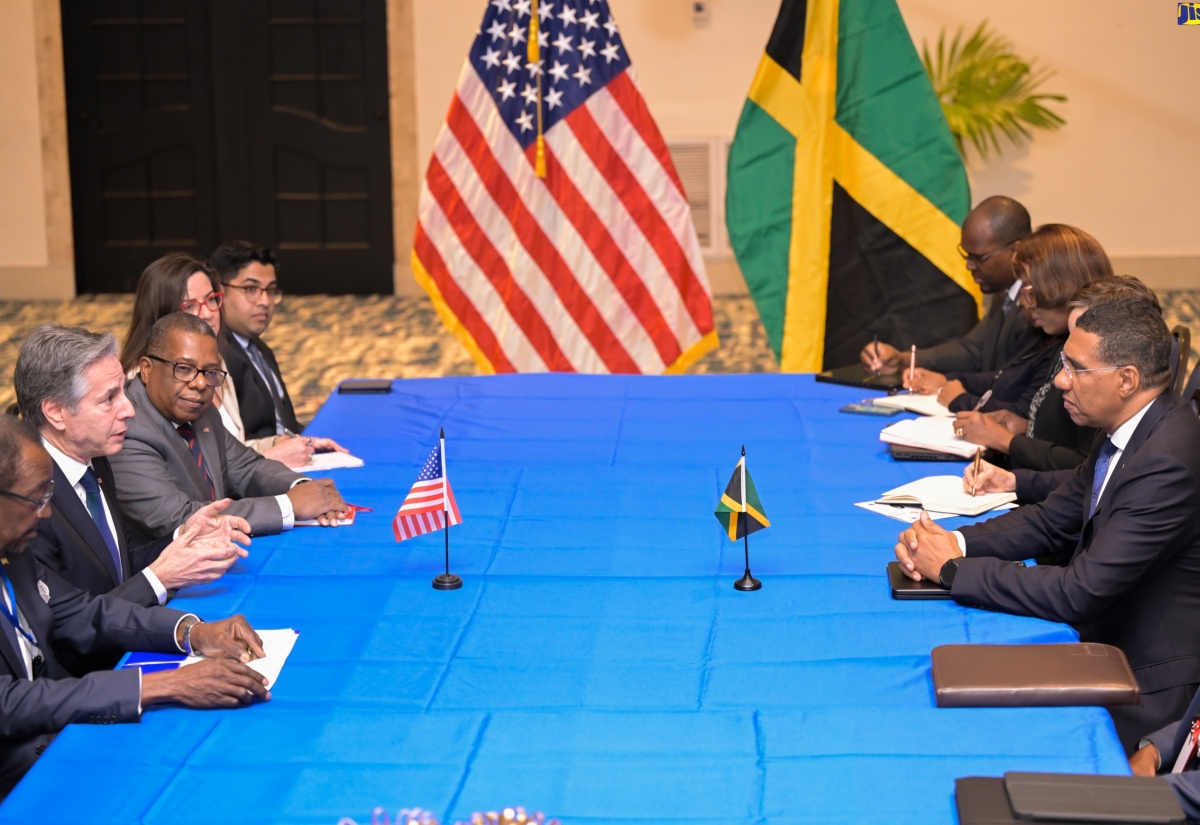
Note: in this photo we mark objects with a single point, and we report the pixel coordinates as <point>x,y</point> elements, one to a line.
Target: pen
<point>983,399</point>
<point>875,345</point>
<point>975,477</point>
<point>912,367</point>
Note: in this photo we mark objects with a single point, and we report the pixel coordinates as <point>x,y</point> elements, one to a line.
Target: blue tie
<point>95,507</point>
<point>1102,461</point>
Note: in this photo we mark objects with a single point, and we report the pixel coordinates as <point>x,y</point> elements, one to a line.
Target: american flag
<point>594,267</point>
<point>425,507</point>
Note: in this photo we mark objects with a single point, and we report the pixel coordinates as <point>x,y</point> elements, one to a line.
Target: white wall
<point>22,210</point>
<point>1123,168</point>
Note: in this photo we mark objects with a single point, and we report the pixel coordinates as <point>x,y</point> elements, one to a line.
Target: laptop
<point>903,453</point>
<point>856,375</point>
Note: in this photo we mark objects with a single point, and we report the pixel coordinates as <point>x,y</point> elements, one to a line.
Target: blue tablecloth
<point>598,664</point>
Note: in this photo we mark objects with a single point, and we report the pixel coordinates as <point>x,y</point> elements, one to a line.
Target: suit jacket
<point>993,342</point>
<point>254,399</point>
<point>159,484</point>
<point>1057,443</point>
<point>32,711</point>
<point>1014,384</point>
<point>1169,741</point>
<point>1129,576</point>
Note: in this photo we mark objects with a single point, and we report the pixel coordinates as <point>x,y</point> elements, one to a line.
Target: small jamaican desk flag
<point>741,513</point>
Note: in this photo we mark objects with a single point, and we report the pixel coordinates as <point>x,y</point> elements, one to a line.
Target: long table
<point>597,664</point>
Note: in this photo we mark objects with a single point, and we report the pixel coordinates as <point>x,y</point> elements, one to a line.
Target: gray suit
<point>159,484</point>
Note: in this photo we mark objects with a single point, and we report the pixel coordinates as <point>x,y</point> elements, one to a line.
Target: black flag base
<point>447,581</point>
<point>746,582</point>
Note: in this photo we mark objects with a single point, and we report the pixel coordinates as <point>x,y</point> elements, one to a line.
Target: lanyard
<point>10,609</point>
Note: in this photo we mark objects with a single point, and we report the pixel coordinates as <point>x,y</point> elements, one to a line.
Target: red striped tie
<point>189,435</point>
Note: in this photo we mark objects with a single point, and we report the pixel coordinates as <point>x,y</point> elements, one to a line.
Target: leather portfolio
<point>1032,675</point>
<point>1058,799</point>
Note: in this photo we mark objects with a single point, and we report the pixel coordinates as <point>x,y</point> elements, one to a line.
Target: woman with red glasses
<point>179,282</point>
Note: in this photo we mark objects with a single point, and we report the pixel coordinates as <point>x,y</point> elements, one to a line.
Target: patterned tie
<point>95,508</point>
<point>189,435</point>
<point>268,376</point>
<point>1102,461</point>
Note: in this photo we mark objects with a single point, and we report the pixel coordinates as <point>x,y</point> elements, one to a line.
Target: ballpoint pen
<point>912,368</point>
<point>983,399</point>
<point>875,346</point>
<point>978,457</point>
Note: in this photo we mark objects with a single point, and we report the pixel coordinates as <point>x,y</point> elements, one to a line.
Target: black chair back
<point>1181,353</point>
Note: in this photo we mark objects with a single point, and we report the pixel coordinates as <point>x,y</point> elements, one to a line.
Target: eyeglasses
<point>254,290</point>
<point>972,258</point>
<point>1070,369</point>
<point>187,373</point>
<point>213,302</point>
<point>39,503</point>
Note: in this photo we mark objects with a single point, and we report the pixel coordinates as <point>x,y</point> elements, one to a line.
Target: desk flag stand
<point>741,513</point>
<point>429,505</point>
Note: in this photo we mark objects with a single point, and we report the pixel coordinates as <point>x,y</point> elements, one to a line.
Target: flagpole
<point>746,582</point>
<point>447,580</point>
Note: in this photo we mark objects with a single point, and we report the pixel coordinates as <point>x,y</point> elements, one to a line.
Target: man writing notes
<point>990,233</point>
<point>178,456</point>
<point>1122,532</point>
<point>70,387</point>
<point>41,613</point>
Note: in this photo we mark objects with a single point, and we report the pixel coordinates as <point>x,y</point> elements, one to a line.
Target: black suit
<point>1057,443</point>
<point>1013,385</point>
<point>1129,576</point>
<point>1169,742</point>
<point>33,711</point>
<point>69,544</point>
<point>254,398</point>
<point>995,341</point>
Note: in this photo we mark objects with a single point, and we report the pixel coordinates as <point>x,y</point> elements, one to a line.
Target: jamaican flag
<point>739,509</point>
<point>846,191</point>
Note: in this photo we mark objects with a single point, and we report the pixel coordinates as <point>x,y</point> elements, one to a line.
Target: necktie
<point>189,435</point>
<point>95,508</point>
<point>268,376</point>
<point>1102,461</point>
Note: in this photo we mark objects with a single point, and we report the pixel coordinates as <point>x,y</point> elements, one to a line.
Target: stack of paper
<point>332,460</point>
<point>922,404</point>
<point>933,433</point>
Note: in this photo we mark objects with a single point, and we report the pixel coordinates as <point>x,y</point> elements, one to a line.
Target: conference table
<point>597,664</point>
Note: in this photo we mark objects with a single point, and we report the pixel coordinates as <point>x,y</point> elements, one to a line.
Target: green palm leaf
<point>987,91</point>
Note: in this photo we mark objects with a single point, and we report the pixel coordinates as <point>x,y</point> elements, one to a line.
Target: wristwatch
<point>948,572</point>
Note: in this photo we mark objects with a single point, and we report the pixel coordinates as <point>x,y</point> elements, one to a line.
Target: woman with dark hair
<point>179,282</point>
<point>1056,264</point>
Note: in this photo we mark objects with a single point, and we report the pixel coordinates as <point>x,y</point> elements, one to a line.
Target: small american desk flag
<point>429,501</point>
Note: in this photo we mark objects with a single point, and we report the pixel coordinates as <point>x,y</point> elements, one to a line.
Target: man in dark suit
<point>178,456</point>
<point>1172,752</point>
<point>70,388</point>
<point>41,612</point>
<point>990,233</point>
<point>1121,533</point>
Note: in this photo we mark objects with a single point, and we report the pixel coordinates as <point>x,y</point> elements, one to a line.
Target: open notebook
<point>932,433</point>
<point>945,494</point>
<point>922,404</point>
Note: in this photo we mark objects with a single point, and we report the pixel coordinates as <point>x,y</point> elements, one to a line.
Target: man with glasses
<point>990,234</point>
<point>42,614</point>
<point>252,292</point>
<point>178,457</point>
<point>70,388</point>
<point>1119,540</point>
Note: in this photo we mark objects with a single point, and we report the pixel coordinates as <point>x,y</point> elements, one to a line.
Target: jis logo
<point>1188,14</point>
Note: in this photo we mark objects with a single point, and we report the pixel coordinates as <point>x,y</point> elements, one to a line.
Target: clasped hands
<point>923,548</point>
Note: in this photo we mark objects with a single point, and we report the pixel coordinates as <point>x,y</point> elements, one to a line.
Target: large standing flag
<point>553,232</point>
<point>846,190</point>
<point>739,498</point>
<point>430,500</point>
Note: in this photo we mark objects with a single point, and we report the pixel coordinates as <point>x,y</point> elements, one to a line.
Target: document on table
<point>945,494</point>
<point>923,404</point>
<point>933,433</point>
<point>332,460</point>
<point>909,514</point>
<point>312,522</point>
<point>277,644</point>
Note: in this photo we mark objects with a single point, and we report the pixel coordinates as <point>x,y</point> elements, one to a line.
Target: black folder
<point>1058,799</point>
<point>905,588</point>
<point>365,386</point>
<point>856,375</point>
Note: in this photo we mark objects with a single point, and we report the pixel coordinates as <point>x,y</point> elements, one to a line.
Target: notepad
<point>277,645</point>
<point>923,404</point>
<point>945,494</point>
<point>332,460</point>
<point>931,433</point>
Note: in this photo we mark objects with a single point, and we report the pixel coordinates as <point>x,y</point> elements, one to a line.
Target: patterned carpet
<point>322,339</point>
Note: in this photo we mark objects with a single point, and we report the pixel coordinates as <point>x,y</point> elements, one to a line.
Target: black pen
<point>875,344</point>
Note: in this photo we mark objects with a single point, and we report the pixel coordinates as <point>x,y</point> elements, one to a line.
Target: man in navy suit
<point>70,387</point>
<point>1121,535</point>
<point>40,612</point>
<point>1172,752</point>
